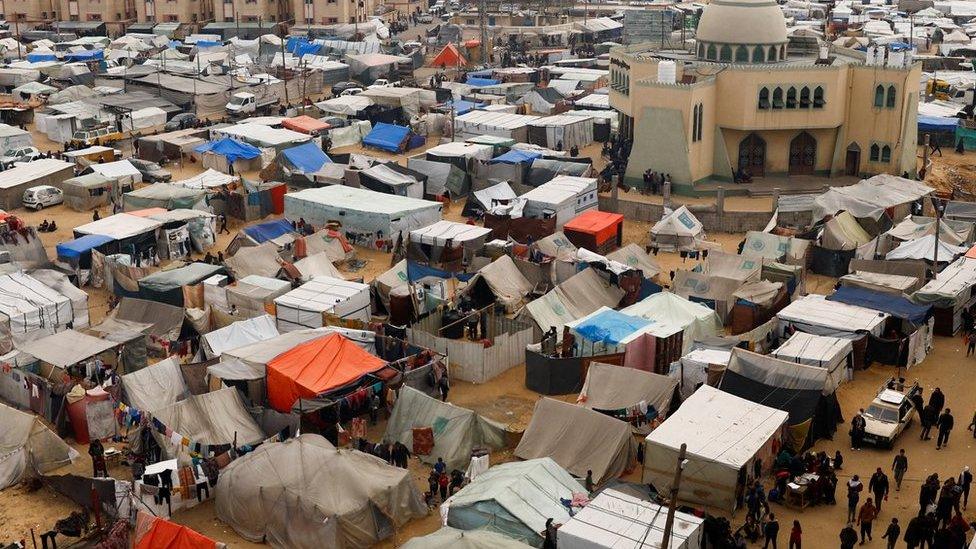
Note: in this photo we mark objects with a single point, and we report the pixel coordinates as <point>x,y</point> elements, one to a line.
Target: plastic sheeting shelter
<point>832,353</point>
<point>30,309</point>
<point>230,149</point>
<point>457,431</point>
<point>307,305</point>
<point>387,137</point>
<point>924,248</point>
<point>672,313</point>
<point>677,231</point>
<point>316,367</point>
<point>66,348</point>
<point>163,195</point>
<point>73,250</point>
<point>896,306</point>
<point>817,315</point>
<point>90,191</point>
<point>28,446</point>
<point>578,439</point>
<point>306,494</point>
<point>155,386</point>
<point>449,57</point>
<point>561,132</point>
<point>306,158</point>
<point>609,387</point>
<point>167,286</point>
<point>869,198</point>
<point>580,295</point>
<point>214,419</point>
<point>238,334</point>
<point>514,499</point>
<point>305,124</point>
<point>451,538</point>
<point>44,171</point>
<point>164,534</point>
<point>594,230</point>
<point>723,433</point>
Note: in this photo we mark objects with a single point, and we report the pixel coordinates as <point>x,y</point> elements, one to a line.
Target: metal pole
<point>673,499</point>
<point>284,67</point>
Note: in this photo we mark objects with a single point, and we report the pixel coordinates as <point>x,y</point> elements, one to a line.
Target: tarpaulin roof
<point>461,106</point>
<point>307,157</point>
<point>449,57</point>
<point>305,124</point>
<point>230,149</point>
<point>453,538</point>
<point>387,137</point>
<point>634,256</point>
<point>594,222</point>
<point>269,230</point>
<point>580,295</point>
<point>515,156</point>
<point>615,387</point>
<point>609,326</point>
<point>155,386</point>
<point>239,334</point>
<point>26,445</point>
<point>672,313</point>
<point>214,418</point>
<point>937,123</point>
<point>505,280</point>
<point>823,351</point>
<point>818,315</point>
<point>74,249</point>
<point>163,534</point>
<point>869,197</point>
<point>480,82</point>
<point>86,55</point>
<point>924,248</point>
<point>897,306</point>
<point>445,232</point>
<point>317,367</point>
<point>66,348</point>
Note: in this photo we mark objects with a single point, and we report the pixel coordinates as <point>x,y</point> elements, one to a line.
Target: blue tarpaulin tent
<point>38,57</point>
<point>207,44</point>
<point>74,249</point>
<point>307,157</point>
<point>481,81</point>
<point>85,55</point>
<point>896,306</point>
<point>387,137</point>
<point>937,123</point>
<point>462,106</point>
<point>230,149</point>
<point>515,156</point>
<point>610,327</point>
<point>263,232</point>
<point>416,271</point>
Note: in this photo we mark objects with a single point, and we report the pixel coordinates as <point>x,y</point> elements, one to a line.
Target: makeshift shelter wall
<point>613,387</point>
<point>27,445</point>
<point>470,360</point>
<point>214,418</point>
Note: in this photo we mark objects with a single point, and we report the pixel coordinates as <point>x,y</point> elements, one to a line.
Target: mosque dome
<point>745,31</point>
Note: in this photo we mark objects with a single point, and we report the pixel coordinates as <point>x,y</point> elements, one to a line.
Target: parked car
<point>889,414</point>
<point>336,122</point>
<point>351,91</point>
<point>102,135</point>
<point>182,121</point>
<point>340,87</point>
<point>383,83</point>
<point>22,154</point>
<point>151,171</point>
<point>425,18</point>
<point>42,196</point>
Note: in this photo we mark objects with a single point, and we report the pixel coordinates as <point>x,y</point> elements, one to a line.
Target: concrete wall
<point>713,219</point>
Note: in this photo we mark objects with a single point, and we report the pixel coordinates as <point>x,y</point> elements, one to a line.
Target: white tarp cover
<point>760,292</point>
<point>261,260</point>
<point>507,283</point>
<point>348,105</point>
<point>951,231</point>
<point>579,439</point>
<point>815,314</point>
<point>461,149</point>
<point>319,264</point>
<point>615,520</point>
<point>59,282</point>
<point>679,230</point>
<point>394,278</point>
<point>305,306</point>
<point>451,538</point>
<point>446,232</point>
<point>32,171</point>
<point>27,445</point>
<point>951,285</point>
<point>210,179</point>
<point>214,418</point>
<point>118,170</point>
<point>924,248</point>
<point>724,433</point>
<point>667,309</point>
<point>890,283</point>
<point>29,307</point>
<point>120,226</point>
<point>634,256</point>
<point>155,386</point>
<point>239,334</point>
<point>870,197</point>
<point>564,131</point>
<point>457,431</point>
<point>306,494</point>
<point>613,387</point>
<point>66,348</point>
<point>824,351</point>
<point>580,295</point>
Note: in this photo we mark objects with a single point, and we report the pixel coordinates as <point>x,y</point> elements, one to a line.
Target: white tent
<point>239,334</point>
<point>672,313</point>
<point>615,520</point>
<point>121,170</point>
<point>444,233</point>
<point>120,226</point>
<point>723,433</point>
<point>869,198</point>
<point>564,197</point>
<point>924,248</point>
<point>679,230</point>
<point>816,315</point>
<point>29,309</point>
<point>28,446</point>
<point>307,305</point>
<point>833,353</point>
<point>349,105</point>
<point>499,124</point>
<point>561,132</point>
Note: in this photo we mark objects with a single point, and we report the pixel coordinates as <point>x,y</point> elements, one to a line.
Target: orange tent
<point>449,57</point>
<point>317,367</point>
<point>305,124</point>
<point>971,254</point>
<point>163,534</point>
<point>594,230</point>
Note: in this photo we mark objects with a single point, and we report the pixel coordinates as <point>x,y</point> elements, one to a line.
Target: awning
<point>74,249</point>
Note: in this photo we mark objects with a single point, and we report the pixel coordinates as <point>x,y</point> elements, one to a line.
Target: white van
<point>42,196</point>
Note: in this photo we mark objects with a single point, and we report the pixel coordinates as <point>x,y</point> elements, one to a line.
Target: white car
<point>382,83</point>
<point>42,196</point>
<point>23,154</point>
<point>888,415</point>
<point>351,91</point>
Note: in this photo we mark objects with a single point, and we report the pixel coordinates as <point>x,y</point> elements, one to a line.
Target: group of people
<point>441,484</point>
<point>654,182</point>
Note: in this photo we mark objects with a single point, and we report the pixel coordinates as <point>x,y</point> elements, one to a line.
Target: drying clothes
<point>423,440</point>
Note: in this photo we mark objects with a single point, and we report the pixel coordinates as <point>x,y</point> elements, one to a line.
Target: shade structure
<point>317,367</point>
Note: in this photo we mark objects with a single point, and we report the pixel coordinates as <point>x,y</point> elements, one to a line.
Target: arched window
<point>791,98</point>
<point>879,93</point>
<point>818,97</point>
<point>890,99</point>
<point>875,152</point>
<point>758,54</point>
<point>701,50</point>
<point>771,54</point>
<point>804,97</point>
<point>886,154</point>
<point>711,53</point>
<point>725,54</point>
<point>778,98</point>
<point>741,55</point>
<point>701,120</point>
<point>782,52</point>
<point>764,98</point>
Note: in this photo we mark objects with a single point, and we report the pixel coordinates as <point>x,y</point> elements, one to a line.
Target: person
<point>854,487</point>
<point>796,535</point>
<point>970,343</point>
<point>858,425</point>
<point>589,481</point>
<point>96,216</point>
<point>848,537</point>
<point>972,425</point>
<point>936,148</point>
<point>928,418</point>
<point>899,466</point>
<point>865,518</point>
<point>43,228</point>
<point>838,461</point>
<point>559,145</point>
<point>222,219</point>
<point>549,541</point>
<point>878,485</point>
<point>937,399</point>
<point>444,386</point>
<point>945,427</point>
<point>97,453</point>
<point>574,151</point>
<point>770,530</point>
<point>914,532</point>
<point>374,409</point>
<point>891,533</point>
<point>443,481</point>
<point>965,482</point>
<point>960,147</point>
<point>440,467</point>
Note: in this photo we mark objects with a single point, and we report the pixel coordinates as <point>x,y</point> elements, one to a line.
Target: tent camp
<point>238,334</point>
<point>678,231</point>
<point>869,198</point>
<point>305,494</point>
<point>724,434</point>
<point>457,431</point>
<point>28,447</point>
<point>308,305</point>
<point>578,439</point>
<point>369,218</point>
<point>43,171</point>
<point>163,195</point>
<point>514,499</point>
<point>609,388</point>
<point>451,538</point>
<point>215,418</point>
<point>815,314</point>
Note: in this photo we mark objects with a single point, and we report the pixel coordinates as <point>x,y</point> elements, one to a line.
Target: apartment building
<point>28,10</point>
<point>329,12</point>
<point>174,11</point>
<point>97,10</point>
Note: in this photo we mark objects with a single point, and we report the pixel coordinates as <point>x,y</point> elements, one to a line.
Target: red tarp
<point>164,534</point>
<point>449,57</point>
<point>317,367</point>
<point>602,225</point>
<point>305,124</point>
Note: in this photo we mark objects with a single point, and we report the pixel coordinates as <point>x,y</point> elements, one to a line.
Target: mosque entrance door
<point>852,164</point>
<point>803,154</point>
<point>752,155</point>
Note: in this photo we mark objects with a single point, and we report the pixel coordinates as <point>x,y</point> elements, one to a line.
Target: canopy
<point>163,195</point>
<point>120,226</point>
<point>452,538</point>
<point>74,249</point>
<point>239,334</point>
<point>870,197</point>
<point>66,348</point>
<point>305,124</point>
<point>306,494</point>
<point>672,313</point>
<point>230,149</point>
<point>387,137</point>
<point>27,445</point>
<point>163,534</point>
<point>924,248</point>
<point>612,387</point>
<point>317,367</point>
<point>307,157</point>
<point>938,123</point>
<point>894,305</point>
<point>457,431</point>
<point>578,439</point>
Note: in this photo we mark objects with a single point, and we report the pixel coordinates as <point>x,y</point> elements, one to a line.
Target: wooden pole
<point>673,497</point>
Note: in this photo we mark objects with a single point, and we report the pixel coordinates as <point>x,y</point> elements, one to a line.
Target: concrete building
<point>180,11</point>
<point>108,11</point>
<point>28,10</point>
<point>749,96</point>
<point>330,12</point>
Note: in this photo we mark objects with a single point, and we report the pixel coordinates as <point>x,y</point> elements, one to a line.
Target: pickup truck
<point>242,103</point>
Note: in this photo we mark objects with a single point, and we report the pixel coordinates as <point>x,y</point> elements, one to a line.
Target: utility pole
<point>673,497</point>
<point>483,11</point>
<point>284,67</point>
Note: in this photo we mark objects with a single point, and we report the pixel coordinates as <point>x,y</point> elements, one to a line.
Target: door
<point>803,154</point>
<point>852,164</point>
<point>752,155</point>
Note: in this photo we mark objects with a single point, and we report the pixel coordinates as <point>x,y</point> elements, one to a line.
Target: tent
<point>609,387</point>
<point>832,353</point>
<point>446,233</point>
<point>387,137</point>
<point>499,124</point>
<point>216,418</point>
<point>30,309</point>
<point>724,435</point>
<point>252,295</point>
<point>451,538</point>
<point>601,232</point>
<point>800,390</point>
<point>578,439</point>
<point>673,313</point>
<point>449,57</point>
<point>121,170</point>
<point>869,198</point>
<point>163,322</point>
<point>881,282</point>
<point>924,248</point>
<point>507,283</point>
<point>306,494</point>
<point>308,305</point>
<point>160,533</point>
<point>43,171</point>
<point>542,100</point>
<point>306,158</point>
<point>678,231</point>
<point>616,520</point>
<point>238,334</point>
<point>514,499</point>
<point>66,348</point>
<point>28,447</point>
<point>815,314</point>
<point>392,178</point>
<point>305,124</point>
<point>163,195</point>
<point>167,286</point>
<point>261,260</point>
<point>561,132</point>
<point>516,156</point>
<point>277,231</point>
<point>90,191</point>
<point>896,306</point>
<point>580,295</point>
<point>155,386</point>
<point>564,197</point>
<point>457,431</point>
<point>787,249</point>
<point>634,256</point>
<point>209,179</point>
<point>317,367</point>
<point>317,265</point>
<point>230,149</point>
<point>442,178</point>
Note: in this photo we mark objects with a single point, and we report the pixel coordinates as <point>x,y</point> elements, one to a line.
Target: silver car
<point>889,414</point>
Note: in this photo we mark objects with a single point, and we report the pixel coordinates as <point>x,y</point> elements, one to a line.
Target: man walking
<point>848,537</point>
<point>965,482</point>
<point>929,417</point>
<point>899,467</point>
<point>865,518</point>
<point>770,531</point>
<point>878,485</point>
<point>858,425</point>
<point>891,534</point>
<point>945,427</point>
<point>854,487</point>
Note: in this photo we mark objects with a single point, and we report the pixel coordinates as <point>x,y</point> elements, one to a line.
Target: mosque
<point>752,96</point>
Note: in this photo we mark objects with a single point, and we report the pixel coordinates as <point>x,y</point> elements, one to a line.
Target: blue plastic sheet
<point>515,156</point>
<point>937,123</point>
<point>307,157</point>
<point>416,271</point>
<point>263,232</point>
<point>230,149</point>
<point>207,44</point>
<point>896,306</point>
<point>74,249</point>
<point>462,106</point>
<point>610,327</point>
<point>38,57</point>
<point>481,81</point>
<point>83,56</point>
<point>387,137</point>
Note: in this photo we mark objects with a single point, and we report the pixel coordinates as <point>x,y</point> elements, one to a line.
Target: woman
<point>795,535</point>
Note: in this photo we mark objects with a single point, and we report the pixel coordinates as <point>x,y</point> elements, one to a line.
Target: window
<point>741,55</point>
<point>782,51</point>
<point>791,98</point>
<point>711,53</point>
<point>701,50</point>
<point>818,97</point>
<point>778,98</point>
<point>875,152</point>
<point>725,54</point>
<point>890,99</point>
<point>696,122</point>
<point>804,97</point>
<point>758,54</point>
<point>701,119</point>
<point>764,98</point>
<point>879,93</point>
<point>886,154</point>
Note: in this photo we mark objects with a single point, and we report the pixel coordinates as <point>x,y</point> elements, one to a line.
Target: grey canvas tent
<point>90,191</point>
<point>578,439</point>
<point>612,387</point>
<point>164,321</point>
<point>156,386</point>
<point>457,430</point>
<point>306,494</point>
<point>452,538</point>
<point>27,446</point>
<point>214,418</point>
